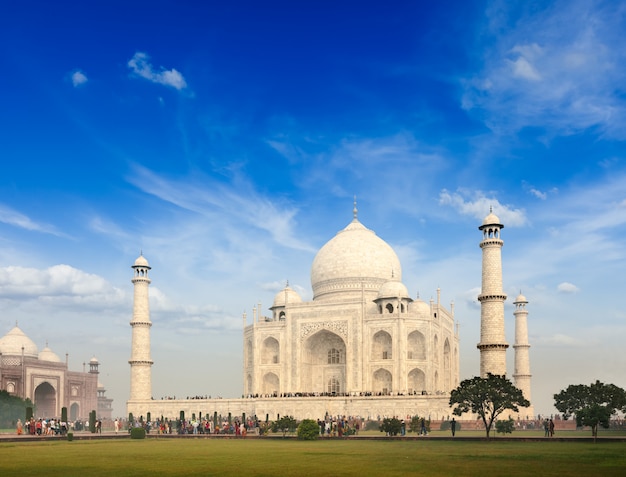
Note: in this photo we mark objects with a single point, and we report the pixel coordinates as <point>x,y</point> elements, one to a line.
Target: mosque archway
<point>324,363</point>
<point>46,400</point>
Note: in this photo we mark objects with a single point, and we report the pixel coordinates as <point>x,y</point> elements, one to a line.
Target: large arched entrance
<point>46,400</point>
<point>324,364</point>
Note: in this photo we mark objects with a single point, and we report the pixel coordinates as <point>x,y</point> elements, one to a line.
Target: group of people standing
<point>42,427</point>
<point>548,427</point>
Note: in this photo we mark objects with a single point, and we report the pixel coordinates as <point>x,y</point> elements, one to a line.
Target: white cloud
<point>59,284</point>
<point>78,78</point>
<point>567,287</point>
<point>141,66</point>
<point>479,208</point>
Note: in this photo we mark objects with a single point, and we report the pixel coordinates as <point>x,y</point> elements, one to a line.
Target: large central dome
<point>356,260</point>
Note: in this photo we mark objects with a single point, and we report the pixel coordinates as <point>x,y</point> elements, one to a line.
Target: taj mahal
<point>361,347</point>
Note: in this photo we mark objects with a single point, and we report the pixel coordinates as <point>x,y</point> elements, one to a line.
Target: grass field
<point>277,457</point>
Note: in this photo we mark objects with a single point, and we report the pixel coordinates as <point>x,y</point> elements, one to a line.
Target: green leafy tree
<point>284,424</point>
<point>308,430</point>
<point>487,397</point>
<point>505,426</point>
<point>391,425</point>
<point>592,405</point>
<point>12,408</point>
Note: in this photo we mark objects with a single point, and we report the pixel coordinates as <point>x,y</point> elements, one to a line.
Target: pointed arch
<point>382,381</point>
<point>271,384</point>
<point>381,346</point>
<point>447,366</point>
<point>323,359</point>
<point>417,381</point>
<point>416,345</point>
<point>270,352</point>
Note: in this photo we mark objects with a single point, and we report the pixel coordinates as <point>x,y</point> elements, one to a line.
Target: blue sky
<point>226,140</point>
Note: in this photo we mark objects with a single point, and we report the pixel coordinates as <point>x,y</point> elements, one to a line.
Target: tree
<point>487,397</point>
<point>284,424</point>
<point>392,426</point>
<point>592,405</point>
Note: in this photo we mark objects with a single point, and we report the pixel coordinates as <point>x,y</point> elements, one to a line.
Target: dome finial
<point>355,212</point>
<point>491,209</point>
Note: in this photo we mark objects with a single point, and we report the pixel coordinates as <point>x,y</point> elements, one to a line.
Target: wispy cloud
<point>560,67</point>
<point>12,217</point>
<point>237,200</point>
<point>141,66</point>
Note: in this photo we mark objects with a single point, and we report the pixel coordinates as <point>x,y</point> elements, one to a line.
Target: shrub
<point>70,436</point>
<point>137,433</point>
<point>505,427</point>
<point>308,430</point>
<point>445,426</point>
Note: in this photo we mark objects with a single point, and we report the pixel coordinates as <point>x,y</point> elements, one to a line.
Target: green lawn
<point>290,457</point>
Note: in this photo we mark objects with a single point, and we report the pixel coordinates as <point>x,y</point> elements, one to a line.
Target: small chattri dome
<point>285,297</point>
<point>421,307</point>
<point>15,341</point>
<point>93,360</point>
<point>141,262</point>
<point>393,289</point>
<point>47,354</point>
<point>491,219</point>
<point>520,299</point>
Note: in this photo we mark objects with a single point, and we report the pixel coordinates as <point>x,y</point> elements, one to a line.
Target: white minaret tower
<point>522,358</point>
<point>492,344</point>
<point>140,362</point>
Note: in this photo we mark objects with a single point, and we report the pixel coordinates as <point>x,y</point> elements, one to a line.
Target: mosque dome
<point>47,354</point>
<point>13,342</point>
<point>285,297</point>
<point>355,260</point>
<point>141,262</point>
<point>94,360</point>
<point>393,289</point>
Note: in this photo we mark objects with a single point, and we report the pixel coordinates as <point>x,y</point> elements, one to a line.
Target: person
<point>19,427</point>
<point>117,426</point>
<point>423,427</point>
<point>453,426</point>
<point>551,428</point>
<point>546,428</point>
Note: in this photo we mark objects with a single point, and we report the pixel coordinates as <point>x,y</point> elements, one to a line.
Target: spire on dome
<point>355,211</point>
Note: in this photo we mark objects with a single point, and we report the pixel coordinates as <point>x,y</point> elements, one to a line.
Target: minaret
<point>522,360</point>
<point>492,344</point>
<point>140,362</point>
